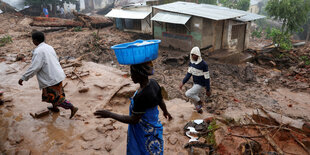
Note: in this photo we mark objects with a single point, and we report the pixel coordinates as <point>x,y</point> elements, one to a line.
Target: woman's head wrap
<point>144,69</point>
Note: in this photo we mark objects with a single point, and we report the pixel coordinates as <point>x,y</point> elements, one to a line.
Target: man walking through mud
<point>199,70</point>
<point>49,73</point>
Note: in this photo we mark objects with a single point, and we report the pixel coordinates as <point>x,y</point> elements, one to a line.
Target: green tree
<point>236,4</point>
<point>292,13</point>
<point>214,2</point>
<point>243,5</point>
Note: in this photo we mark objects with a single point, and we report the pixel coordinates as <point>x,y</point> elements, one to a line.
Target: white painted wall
<point>146,25</point>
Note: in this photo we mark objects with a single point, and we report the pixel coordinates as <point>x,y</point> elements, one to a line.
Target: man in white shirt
<point>49,73</point>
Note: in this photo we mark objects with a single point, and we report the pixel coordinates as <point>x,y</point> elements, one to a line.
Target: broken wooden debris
<point>278,119</point>
<point>100,86</point>
<point>300,143</point>
<point>79,75</point>
<point>267,137</point>
<point>54,22</point>
<point>65,84</point>
<point>40,114</point>
<point>117,89</point>
<point>72,64</point>
<point>80,21</point>
<point>10,72</point>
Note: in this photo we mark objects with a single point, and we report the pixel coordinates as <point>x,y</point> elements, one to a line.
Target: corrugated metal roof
<point>199,10</point>
<point>174,18</point>
<point>127,14</point>
<point>208,11</point>
<point>250,17</point>
<point>247,17</point>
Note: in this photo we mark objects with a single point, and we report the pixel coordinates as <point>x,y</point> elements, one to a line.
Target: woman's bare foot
<point>73,111</point>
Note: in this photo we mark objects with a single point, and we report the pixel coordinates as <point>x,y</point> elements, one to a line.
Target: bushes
<point>257,33</point>
<point>5,40</point>
<point>280,39</point>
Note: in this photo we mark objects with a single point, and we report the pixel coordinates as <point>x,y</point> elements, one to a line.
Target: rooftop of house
<point>213,12</point>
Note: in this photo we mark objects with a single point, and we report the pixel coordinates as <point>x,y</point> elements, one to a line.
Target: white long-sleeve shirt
<point>46,66</point>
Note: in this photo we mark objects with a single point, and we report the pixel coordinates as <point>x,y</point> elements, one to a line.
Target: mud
<point>237,89</point>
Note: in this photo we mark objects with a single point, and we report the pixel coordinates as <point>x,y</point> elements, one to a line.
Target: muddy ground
<point>237,89</point>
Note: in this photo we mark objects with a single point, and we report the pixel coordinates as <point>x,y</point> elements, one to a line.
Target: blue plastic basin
<point>136,52</point>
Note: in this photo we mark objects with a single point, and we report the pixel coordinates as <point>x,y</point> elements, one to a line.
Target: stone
<point>89,136</point>
<point>173,139</point>
<point>83,89</point>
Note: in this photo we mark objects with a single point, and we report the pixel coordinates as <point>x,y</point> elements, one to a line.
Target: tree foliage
<point>214,2</point>
<point>280,39</point>
<point>236,4</point>
<point>292,13</point>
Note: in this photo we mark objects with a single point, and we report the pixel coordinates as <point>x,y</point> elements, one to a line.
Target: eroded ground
<point>236,90</point>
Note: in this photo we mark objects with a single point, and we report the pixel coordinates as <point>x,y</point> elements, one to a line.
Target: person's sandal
<point>73,111</point>
<point>53,109</point>
<point>199,109</point>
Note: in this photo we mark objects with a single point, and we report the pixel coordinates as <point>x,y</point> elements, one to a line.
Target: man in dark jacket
<point>201,77</point>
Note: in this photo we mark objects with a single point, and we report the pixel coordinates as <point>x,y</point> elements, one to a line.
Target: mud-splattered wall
<point>202,32</point>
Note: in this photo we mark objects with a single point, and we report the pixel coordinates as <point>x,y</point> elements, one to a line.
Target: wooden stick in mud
<point>267,137</point>
<point>65,84</point>
<point>78,77</point>
<point>300,143</point>
<point>249,137</point>
<point>117,90</point>
<point>271,141</point>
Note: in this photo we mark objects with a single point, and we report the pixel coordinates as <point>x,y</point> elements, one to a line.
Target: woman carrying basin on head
<point>145,132</point>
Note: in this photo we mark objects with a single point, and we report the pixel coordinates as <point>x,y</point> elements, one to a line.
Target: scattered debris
<point>20,57</point>
<point>100,86</point>
<point>81,21</point>
<point>40,113</point>
<point>83,89</point>
<point>249,147</point>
